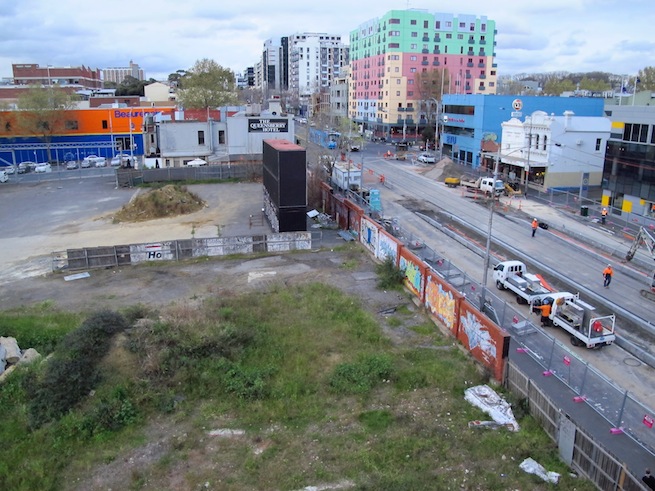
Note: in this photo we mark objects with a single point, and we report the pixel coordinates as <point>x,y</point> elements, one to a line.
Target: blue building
<point>469,121</point>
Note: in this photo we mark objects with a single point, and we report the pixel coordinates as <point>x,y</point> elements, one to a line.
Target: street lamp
<point>436,122</point>
<point>49,79</point>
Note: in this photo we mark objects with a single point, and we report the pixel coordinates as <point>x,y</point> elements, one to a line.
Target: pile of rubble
<point>11,356</point>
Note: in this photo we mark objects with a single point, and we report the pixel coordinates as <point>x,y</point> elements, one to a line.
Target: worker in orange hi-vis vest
<point>607,275</point>
<point>535,224</point>
<point>603,215</point>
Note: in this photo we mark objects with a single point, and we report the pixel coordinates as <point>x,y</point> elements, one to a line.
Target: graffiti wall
<point>442,301</point>
<point>486,341</point>
<point>415,270</point>
<point>388,246</point>
<point>368,235</point>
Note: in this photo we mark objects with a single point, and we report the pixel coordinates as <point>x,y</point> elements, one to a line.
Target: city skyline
<point>535,37</point>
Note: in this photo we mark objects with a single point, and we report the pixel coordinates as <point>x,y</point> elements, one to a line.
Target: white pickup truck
<point>513,276</point>
<point>580,320</point>
<point>487,185</point>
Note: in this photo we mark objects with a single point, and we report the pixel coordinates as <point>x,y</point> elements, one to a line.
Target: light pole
<point>436,122</point>
<point>49,79</point>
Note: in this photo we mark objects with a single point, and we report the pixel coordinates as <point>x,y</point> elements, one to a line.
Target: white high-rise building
<point>117,75</point>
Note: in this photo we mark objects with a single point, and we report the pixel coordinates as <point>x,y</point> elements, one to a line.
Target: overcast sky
<point>163,36</point>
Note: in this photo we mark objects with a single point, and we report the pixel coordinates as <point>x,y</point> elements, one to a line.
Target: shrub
<point>389,277</point>
<point>72,371</point>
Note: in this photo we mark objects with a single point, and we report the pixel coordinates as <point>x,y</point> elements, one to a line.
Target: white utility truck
<point>513,275</point>
<point>579,319</point>
<point>486,185</point>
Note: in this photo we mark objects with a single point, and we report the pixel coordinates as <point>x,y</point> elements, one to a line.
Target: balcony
<point>436,51</point>
<point>482,53</point>
<point>471,41</point>
<point>379,120</point>
<point>425,51</point>
<point>468,76</point>
<point>470,65</point>
<point>435,63</point>
<point>425,63</point>
<point>482,41</point>
<point>437,39</point>
<point>480,65</point>
<point>483,76</point>
<point>481,87</point>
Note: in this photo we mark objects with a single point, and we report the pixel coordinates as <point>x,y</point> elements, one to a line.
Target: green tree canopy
<point>208,85</point>
<point>42,112</point>
<point>646,78</point>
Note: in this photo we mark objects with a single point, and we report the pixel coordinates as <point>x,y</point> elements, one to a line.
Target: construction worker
<point>545,314</point>
<point>535,224</point>
<point>607,275</point>
<point>603,216</point>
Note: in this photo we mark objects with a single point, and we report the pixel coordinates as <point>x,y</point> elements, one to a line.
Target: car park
<point>41,168</point>
<point>72,165</point>
<point>427,158</point>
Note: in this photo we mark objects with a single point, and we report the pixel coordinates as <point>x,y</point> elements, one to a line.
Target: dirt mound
<point>450,169</point>
<point>167,201</point>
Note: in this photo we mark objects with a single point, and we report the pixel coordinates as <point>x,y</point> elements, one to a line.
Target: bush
<point>389,277</point>
<point>72,372</point>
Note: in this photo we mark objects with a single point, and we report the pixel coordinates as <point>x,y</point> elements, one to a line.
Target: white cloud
<point>167,35</point>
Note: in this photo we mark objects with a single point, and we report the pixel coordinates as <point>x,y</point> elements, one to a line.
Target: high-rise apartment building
<point>117,75</point>
<point>405,60</point>
<point>302,65</point>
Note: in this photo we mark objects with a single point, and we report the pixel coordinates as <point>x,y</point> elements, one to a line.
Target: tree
<point>208,85</point>
<point>42,112</point>
<point>646,78</point>
<point>133,86</point>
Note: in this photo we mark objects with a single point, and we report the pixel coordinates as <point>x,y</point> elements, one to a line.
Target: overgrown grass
<point>306,372</point>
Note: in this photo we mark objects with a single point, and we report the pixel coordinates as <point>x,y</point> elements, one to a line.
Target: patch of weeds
<point>389,276</point>
<point>376,421</point>
<point>394,322</point>
<point>361,376</point>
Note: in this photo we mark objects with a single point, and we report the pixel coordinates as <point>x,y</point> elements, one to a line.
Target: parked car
<point>120,159</point>
<point>25,167</point>
<point>101,163</point>
<point>41,168</point>
<point>72,165</point>
<point>3,176</point>
<point>427,158</point>
<point>85,164</point>
<point>93,161</point>
<point>10,169</point>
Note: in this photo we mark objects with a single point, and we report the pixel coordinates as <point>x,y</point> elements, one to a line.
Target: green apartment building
<point>403,62</point>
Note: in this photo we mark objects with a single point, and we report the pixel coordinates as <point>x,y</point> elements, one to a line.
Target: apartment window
<point>599,141</point>
<point>437,25</point>
<point>635,132</point>
<point>221,137</point>
<point>414,34</point>
<point>413,58</point>
<point>397,69</point>
<point>201,137</point>
<point>398,81</point>
<point>449,36</point>
<point>449,24</point>
<point>413,22</point>
<point>397,93</point>
<point>410,81</point>
<point>394,33</point>
<point>410,93</point>
<point>460,36</point>
<point>394,21</point>
<point>413,46</point>
<point>412,70</point>
<point>462,25</point>
<point>104,124</point>
<point>472,26</point>
<point>394,45</point>
<point>483,27</point>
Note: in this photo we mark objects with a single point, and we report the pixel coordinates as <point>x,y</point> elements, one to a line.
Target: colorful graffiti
<point>441,303</point>
<point>388,247</point>
<point>478,336</point>
<point>413,276</point>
